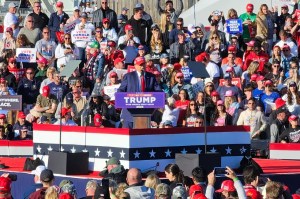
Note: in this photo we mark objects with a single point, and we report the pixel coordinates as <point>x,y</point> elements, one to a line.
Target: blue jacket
<point>54,23</point>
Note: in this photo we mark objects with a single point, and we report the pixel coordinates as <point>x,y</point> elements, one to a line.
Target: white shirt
<point>213,70</point>
<point>123,38</point>
<point>110,34</point>
<point>291,44</point>
<point>10,19</point>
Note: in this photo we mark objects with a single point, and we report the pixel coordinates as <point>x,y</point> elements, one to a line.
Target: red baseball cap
<point>2,116</point>
<point>180,74</point>
<point>9,29</point>
<point>250,43</point>
<point>59,4</point>
<point>285,46</point>
<point>279,102</point>
<point>21,115</point>
<point>293,118</point>
<point>11,59</point>
<point>284,6</point>
<point>215,93</point>
<point>42,60</point>
<point>254,77</point>
<point>128,27</point>
<point>111,43</point>
<point>5,184</point>
<point>139,60</point>
<point>113,74</point>
<point>64,111</point>
<point>2,80</point>
<point>268,82</point>
<point>227,185</point>
<point>260,78</point>
<point>194,189</point>
<point>202,57</point>
<point>118,60</point>
<point>177,66</point>
<point>97,119</point>
<point>249,7</point>
<point>46,91</point>
<point>104,20</point>
<point>232,48</point>
<point>253,194</point>
<point>220,102</point>
<point>229,69</point>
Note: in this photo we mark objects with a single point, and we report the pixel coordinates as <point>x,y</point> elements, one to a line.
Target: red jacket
<point>262,58</point>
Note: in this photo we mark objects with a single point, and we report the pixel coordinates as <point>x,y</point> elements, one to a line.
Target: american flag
<point>142,148</point>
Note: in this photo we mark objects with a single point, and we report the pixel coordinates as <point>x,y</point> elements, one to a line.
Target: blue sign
<point>234,26</point>
<point>140,100</point>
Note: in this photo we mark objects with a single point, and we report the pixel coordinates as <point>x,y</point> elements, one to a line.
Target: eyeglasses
<point>78,86</point>
<point>192,104</point>
<point>46,32</point>
<point>74,93</point>
<point>98,31</point>
<point>214,38</point>
<point>12,62</point>
<point>67,37</point>
<point>276,65</point>
<point>104,2</point>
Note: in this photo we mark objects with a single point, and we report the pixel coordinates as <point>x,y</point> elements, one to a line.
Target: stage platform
<point>286,171</point>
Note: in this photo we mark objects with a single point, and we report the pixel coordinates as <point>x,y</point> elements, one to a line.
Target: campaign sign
<point>234,26</point>
<point>11,102</point>
<point>70,26</point>
<point>27,55</point>
<point>111,90</point>
<point>81,35</point>
<point>234,81</point>
<point>140,100</point>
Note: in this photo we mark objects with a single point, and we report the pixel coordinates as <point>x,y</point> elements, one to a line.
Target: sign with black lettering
<point>11,102</point>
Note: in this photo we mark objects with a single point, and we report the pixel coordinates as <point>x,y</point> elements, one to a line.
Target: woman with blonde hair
<point>152,181</point>
<point>214,43</point>
<point>51,193</point>
<point>166,26</point>
<point>156,43</point>
<point>265,20</point>
<point>231,105</point>
<point>252,69</point>
<point>276,54</point>
<point>50,77</point>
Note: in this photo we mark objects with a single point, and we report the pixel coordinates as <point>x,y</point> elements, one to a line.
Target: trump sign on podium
<point>140,100</point>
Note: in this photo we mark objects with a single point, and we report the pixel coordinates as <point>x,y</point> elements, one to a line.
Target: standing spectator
<point>57,20</point>
<point>228,86</point>
<point>166,27</point>
<point>105,12</point>
<point>214,30</point>
<point>276,74</point>
<point>90,189</point>
<point>173,35</point>
<point>108,31</point>
<point>265,25</point>
<point>268,97</point>
<point>41,20</point>
<point>46,47</point>
<point>171,113</point>
<point>180,85</point>
<point>260,87</point>
<point>129,39</point>
<point>8,76</point>
<point>212,66</point>
<point>156,43</point>
<point>28,87</point>
<point>192,114</point>
<point>146,16</point>
<point>281,18</point>
<point>122,19</point>
<point>174,175</point>
<point>251,175</point>
<point>21,122</point>
<point>88,9</point>
<point>47,179</point>
<point>221,117</point>
<point>8,128</point>
<point>286,57</point>
<point>170,9</point>
<point>66,118</point>
<point>237,69</point>
<point>11,20</point>
<point>49,77</point>
<point>180,48</point>
<point>23,134</point>
<point>249,23</point>
<point>279,125</point>
<point>8,45</point>
<point>256,55</point>
<point>5,189</point>
<point>98,106</point>
<point>286,40</point>
<point>80,103</point>
<point>291,135</point>
<point>40,73</point>
<point>84,24</point>
<point>292,98</point>
<point>37,181</point>
<point>215,43</point>
<point>75,16</point>
<point>141,29</point>
<point>66,52</point>
<point>253,118</point>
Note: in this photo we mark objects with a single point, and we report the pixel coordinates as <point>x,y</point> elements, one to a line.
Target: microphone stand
<point>61,106</point>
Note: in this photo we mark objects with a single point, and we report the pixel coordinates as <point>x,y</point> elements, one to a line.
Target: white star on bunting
<point>136,154</point>
<point>183,151</point>
<point>73,150</point>
<point>97,152</point>
<point>85,150</point>
<point>168,153</point>
<point>213,150</point>
<point>122,154</point>
<point>109,153</point>
<point>243,150</point>
<point>198,151</point>
<point>50,148</point>
<point>228,150</point>
<point>152,154</point>
<point>39,149</point>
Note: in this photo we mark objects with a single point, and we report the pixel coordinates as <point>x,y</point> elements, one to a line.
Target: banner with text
<point>111,90</point>
<point>70,26</point>
<point>81,35</point>
<point>27,55</point>
<point>234,26</point>
<point>140,100</point>
<point>11,102</point>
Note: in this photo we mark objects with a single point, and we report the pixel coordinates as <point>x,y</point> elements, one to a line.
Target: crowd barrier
<point>290,151</point>
<point>142,148</point>
<point>16,148</point>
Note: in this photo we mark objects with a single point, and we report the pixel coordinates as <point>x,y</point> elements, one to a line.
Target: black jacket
<point>141,30</point>
<point>99,14</point>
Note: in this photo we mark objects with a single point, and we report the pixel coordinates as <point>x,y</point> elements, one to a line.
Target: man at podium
<point>137,81</point>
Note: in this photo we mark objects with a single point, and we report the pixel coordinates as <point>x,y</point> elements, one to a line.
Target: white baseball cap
<point>12,5</point>
<point>38,170</point>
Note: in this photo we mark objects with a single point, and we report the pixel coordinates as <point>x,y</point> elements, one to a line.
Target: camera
<point>220,171</point>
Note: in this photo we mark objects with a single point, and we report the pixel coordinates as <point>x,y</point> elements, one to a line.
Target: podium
<point>140,106</point>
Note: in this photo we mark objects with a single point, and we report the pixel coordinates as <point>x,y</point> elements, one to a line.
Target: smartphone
<point>220,171</point>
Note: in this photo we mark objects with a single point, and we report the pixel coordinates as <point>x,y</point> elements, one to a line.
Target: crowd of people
<point>253,75</point>
<point>120,183</point>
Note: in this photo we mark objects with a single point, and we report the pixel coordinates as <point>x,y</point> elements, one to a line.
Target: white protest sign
<point>70,26</point>
<point>81,35</point>
<point>26,55</point>
<point>111,90</point>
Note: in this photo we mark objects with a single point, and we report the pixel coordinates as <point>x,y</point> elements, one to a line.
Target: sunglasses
<point>214,38</point>
<point>98,31</point>
<point>46,32</point>
<point>29,73</point>
<point>30,21</point>
<point>276,65</point>
<point>209,85</point>
<point>104,2</point>
<point>12,62</point>
<point>285,50</point>
<point>192,104</point>
<point>67,38</point>
<point>179,24</point>
<point>78,86</point>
